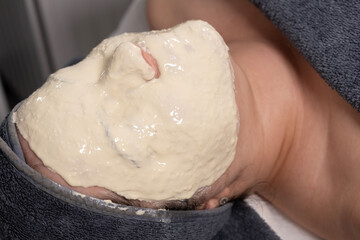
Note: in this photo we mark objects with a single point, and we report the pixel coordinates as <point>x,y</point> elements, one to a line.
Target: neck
<point>268,108</point>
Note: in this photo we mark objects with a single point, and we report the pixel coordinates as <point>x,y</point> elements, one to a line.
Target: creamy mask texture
<point>113,121</point>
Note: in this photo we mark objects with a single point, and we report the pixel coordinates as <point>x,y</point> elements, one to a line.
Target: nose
<point>130,58</point>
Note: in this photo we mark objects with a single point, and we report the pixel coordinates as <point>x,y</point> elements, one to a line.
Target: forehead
<point>197,35</point>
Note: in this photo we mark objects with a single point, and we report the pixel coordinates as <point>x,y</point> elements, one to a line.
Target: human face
<point>153,127</point>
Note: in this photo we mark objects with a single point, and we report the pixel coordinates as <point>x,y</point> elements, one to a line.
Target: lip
<point>151,61</point>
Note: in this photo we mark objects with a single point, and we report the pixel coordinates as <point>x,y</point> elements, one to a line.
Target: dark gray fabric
<point>327,34</point>
<point>34,207</point>
<point>245,224</point>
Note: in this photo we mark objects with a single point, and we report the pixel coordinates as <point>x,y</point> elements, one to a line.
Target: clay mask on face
<point>113,121</point>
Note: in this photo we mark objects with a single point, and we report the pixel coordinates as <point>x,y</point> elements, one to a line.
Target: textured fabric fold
<point>326,33</point>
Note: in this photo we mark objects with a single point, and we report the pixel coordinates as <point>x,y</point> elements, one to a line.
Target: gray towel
<point>327,34</point>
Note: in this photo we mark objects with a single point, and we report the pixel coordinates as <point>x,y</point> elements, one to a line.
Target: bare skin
<point>298,140</point>
<point>305,137</point>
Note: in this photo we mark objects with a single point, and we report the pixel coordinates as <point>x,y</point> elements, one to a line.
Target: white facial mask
<point>109,122</point>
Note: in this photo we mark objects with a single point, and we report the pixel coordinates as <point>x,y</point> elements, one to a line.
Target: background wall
<point>74,27</point>
<point>40,36</point>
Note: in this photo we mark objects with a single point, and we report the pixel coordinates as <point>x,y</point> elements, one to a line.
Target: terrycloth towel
<point>34,207</point>
<point>327,34</point>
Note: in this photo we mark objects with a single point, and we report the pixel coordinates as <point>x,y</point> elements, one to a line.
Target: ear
<point>223,197</point>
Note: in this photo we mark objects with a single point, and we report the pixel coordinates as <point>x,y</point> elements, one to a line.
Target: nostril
<point>151,61</point>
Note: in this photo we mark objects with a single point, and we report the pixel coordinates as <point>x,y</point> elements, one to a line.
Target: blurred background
<point>40,36</point>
